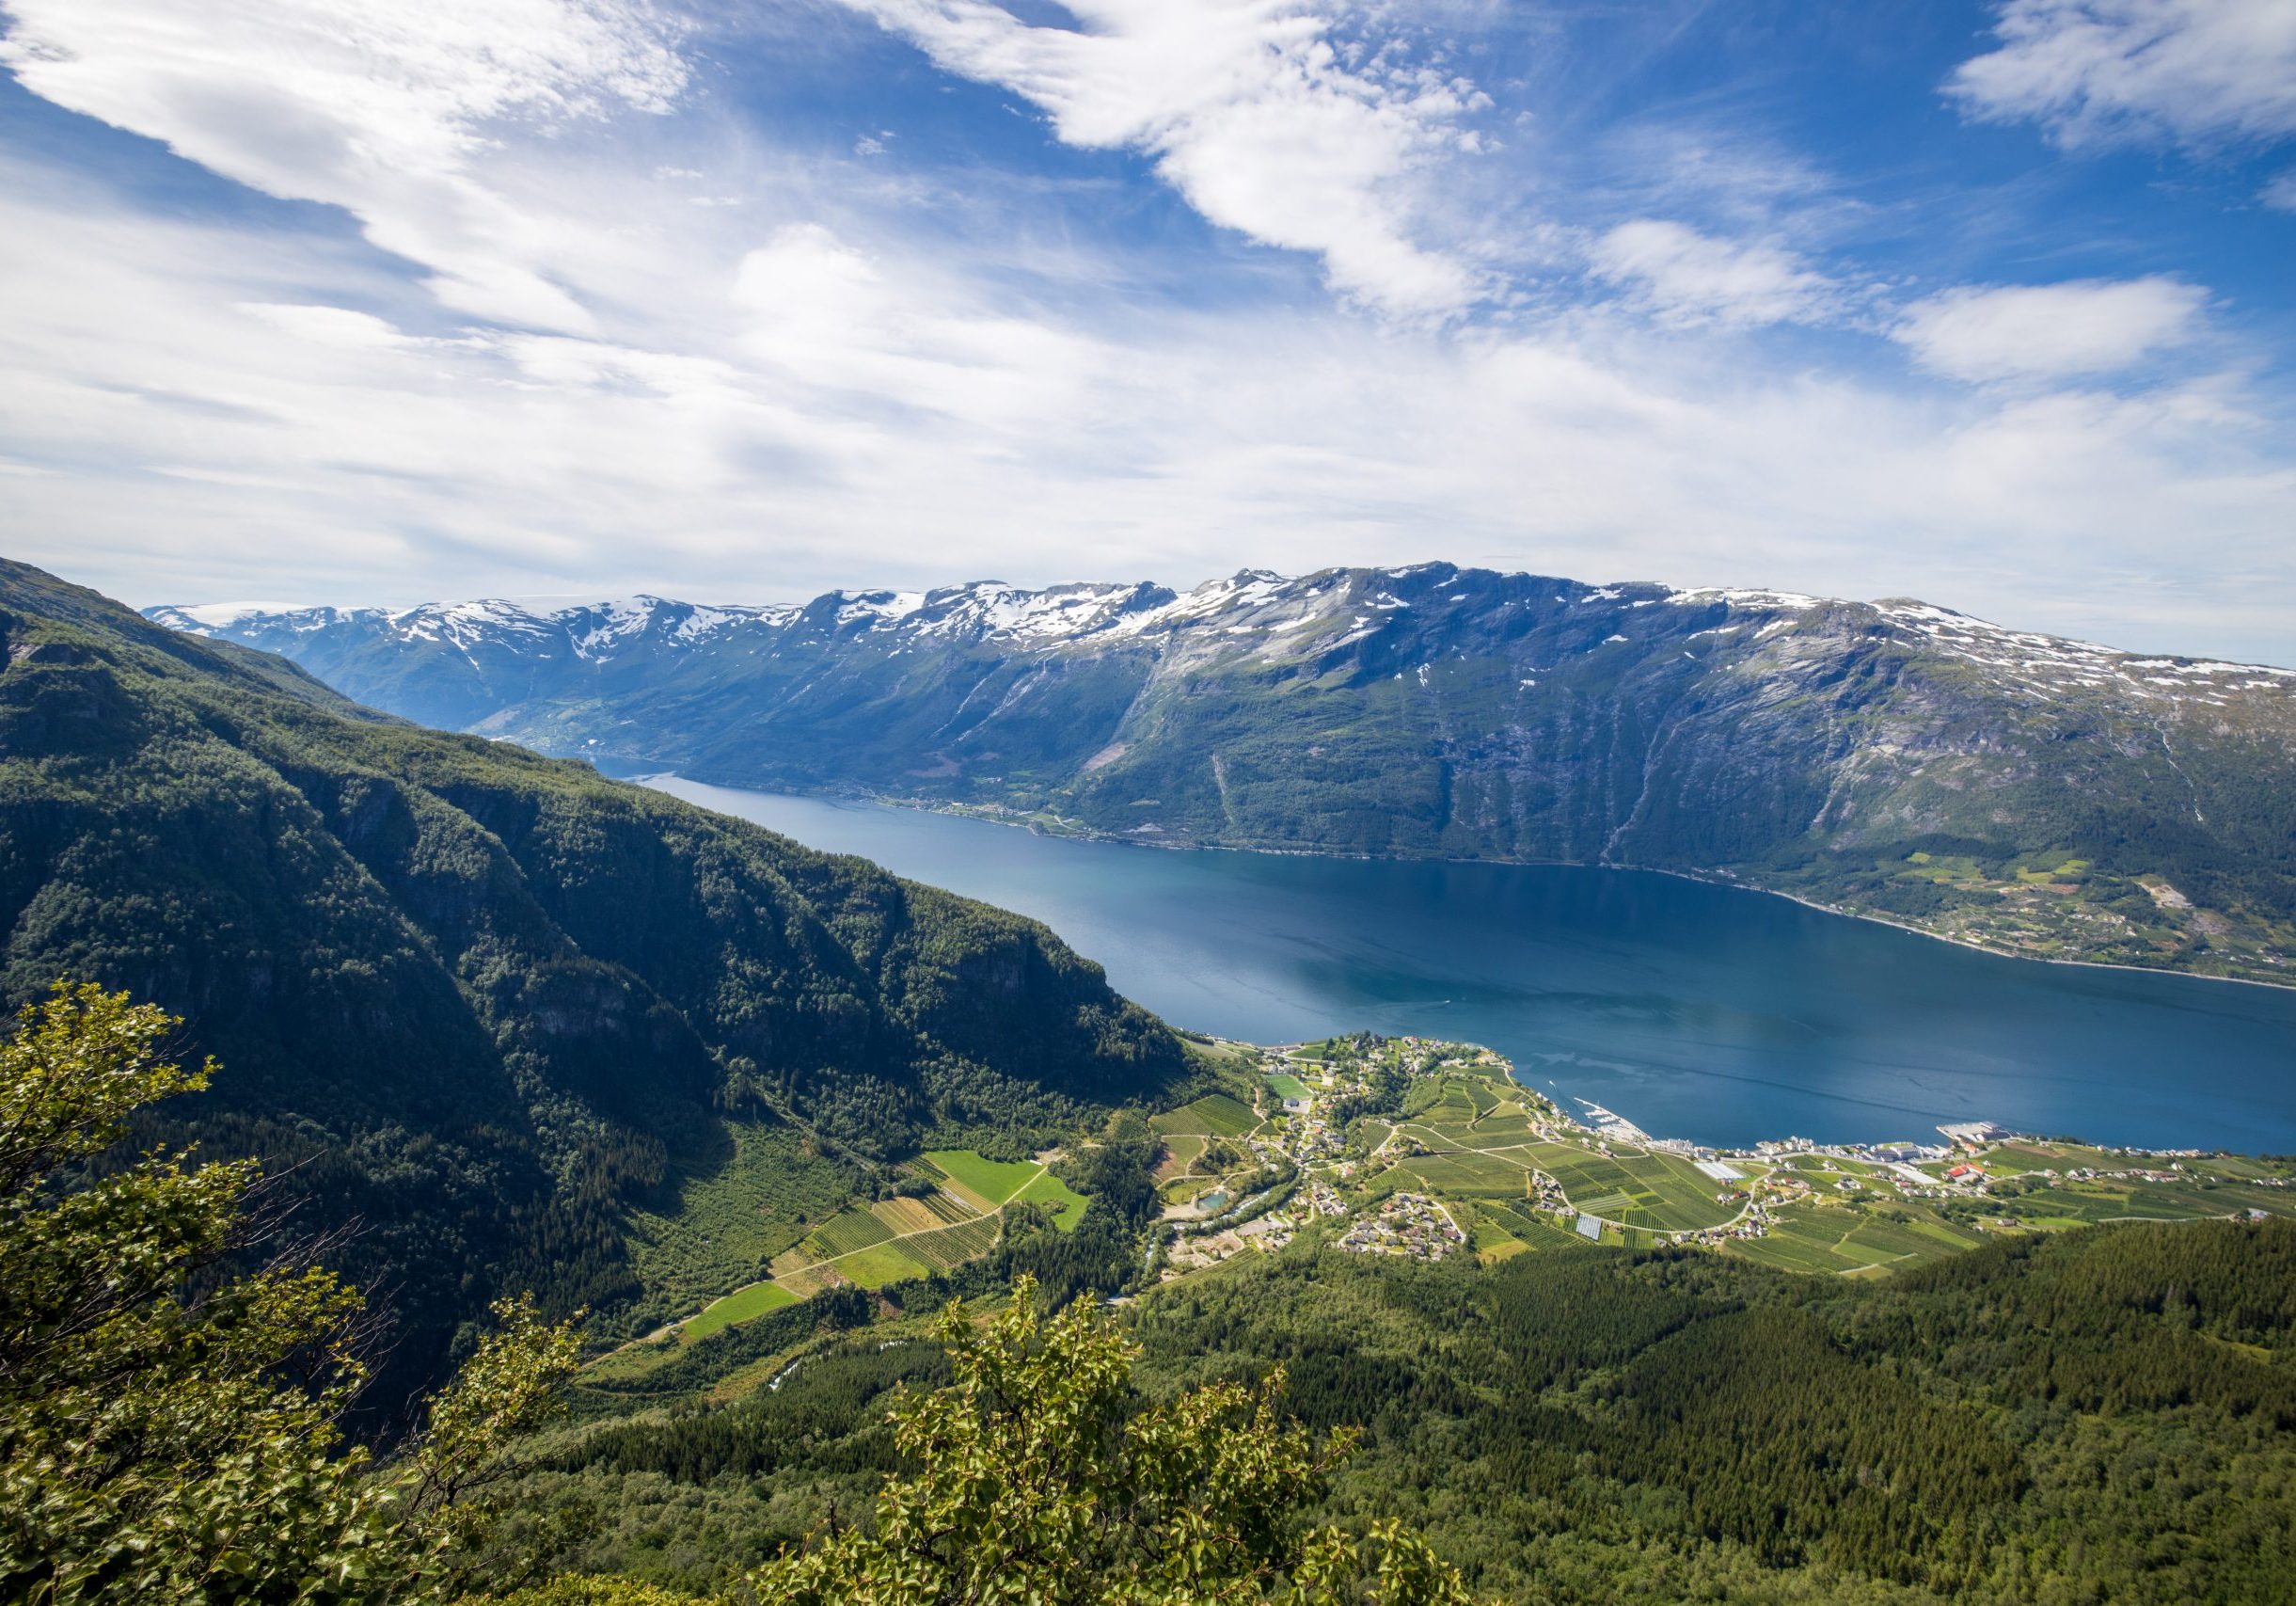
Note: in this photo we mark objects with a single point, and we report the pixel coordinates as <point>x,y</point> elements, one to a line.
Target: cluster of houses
<point>1407,1224</point>
<point>1755,1223</point>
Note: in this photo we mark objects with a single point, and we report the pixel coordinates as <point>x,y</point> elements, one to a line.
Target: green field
<point>1487,1133</point>
<point>1448,1100</point>
<point>1068,1204</point>
<point>1214,1115</point>
<point>1287,1086</point>
<point>885,1262</point>
<point>738,1306</point>
<point>986,1183</point>
<point>1502,1230</point>
<point>1532,1229</point>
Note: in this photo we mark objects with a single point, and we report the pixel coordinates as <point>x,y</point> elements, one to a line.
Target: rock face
<point>1894,758</point>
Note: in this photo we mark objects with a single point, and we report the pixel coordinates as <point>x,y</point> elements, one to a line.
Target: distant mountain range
<point>1897,759</point>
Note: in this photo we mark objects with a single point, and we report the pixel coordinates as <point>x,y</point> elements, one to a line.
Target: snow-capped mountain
<point>1895,757</point>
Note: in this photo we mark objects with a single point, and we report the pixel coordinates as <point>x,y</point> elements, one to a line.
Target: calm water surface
<point>1694,1011</point>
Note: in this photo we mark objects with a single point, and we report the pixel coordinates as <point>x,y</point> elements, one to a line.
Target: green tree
<point>170,1432</point>
<point>1038,1483</point>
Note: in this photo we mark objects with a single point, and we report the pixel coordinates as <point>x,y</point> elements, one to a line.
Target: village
<point>1421,1148</point>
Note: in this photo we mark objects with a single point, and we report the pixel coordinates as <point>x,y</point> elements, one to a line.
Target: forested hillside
<point>2033,794</point>
<point>2105,1415</point>
<point>485,1005</point>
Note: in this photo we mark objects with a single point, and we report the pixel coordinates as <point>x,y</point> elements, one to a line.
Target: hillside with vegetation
<point>513,1025</point>
<point>2105,1414</point>
<point>2031,794</point>
<point>2038,1372</point>
<point>1397,1417</point>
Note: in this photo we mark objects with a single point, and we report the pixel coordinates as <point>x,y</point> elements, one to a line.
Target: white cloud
<point>2280,192</point>
<point>384,109</point>
<point>216,426</point>
<point>1686,278</point>
<point>1253,112</point>
<point>2050,331</point>
<point>852,378</point>
<point>2191,71</point>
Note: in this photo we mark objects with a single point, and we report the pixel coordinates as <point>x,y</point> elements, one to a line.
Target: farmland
<point>1066,1204</point>
<point>1849,1239</point>
<point>739,1306</point>
<point>982,1183</point>
<point>892,1240</point>
<point>1215,1115</point>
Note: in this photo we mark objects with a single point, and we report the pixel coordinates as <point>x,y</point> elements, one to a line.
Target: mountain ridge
<point>2024,792</point>
<point>491,1003</point>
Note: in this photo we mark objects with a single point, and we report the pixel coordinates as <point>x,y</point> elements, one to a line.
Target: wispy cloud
<point>2090,72</point>
<point>383,109</point>
<point>1260,113</point>
<point>1686,278</point>
<point>2051,331</point>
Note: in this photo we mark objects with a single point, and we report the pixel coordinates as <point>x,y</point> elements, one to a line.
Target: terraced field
<point>1467,1175</point>
<point>1502,1230</point>
<point>1452,1100</point>
<point>1662,1193</point>
<point>921,1214</point>
<point>952,1245</point>
<point>1487,1133</point>
<point>846,1232</point>
<point>1838,1239</point>
<point>1214,1115</point>
<point>906,1237</point>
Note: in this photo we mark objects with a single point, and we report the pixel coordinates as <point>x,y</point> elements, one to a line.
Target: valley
<point>750,1114</point>
<point>1424,1149</point>
<point>1557,1327</point>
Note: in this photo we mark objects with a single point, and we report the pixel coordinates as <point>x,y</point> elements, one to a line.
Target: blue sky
<point>306,300</point>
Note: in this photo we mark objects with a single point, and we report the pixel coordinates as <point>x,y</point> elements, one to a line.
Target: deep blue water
<point>1695,1011</point>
